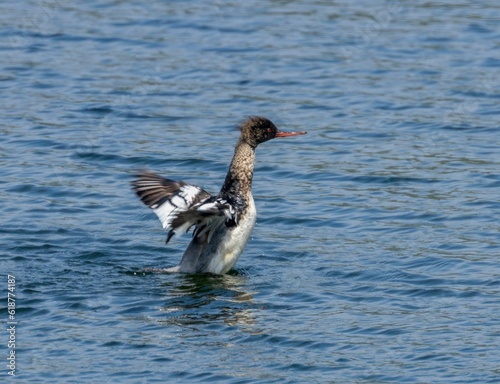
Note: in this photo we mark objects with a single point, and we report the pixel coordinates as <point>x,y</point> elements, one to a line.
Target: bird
<point>222,223</point>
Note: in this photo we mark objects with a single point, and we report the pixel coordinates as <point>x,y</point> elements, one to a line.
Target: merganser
<point>223,222</point>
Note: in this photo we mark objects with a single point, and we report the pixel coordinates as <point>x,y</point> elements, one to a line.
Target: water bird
<point>223,222</point>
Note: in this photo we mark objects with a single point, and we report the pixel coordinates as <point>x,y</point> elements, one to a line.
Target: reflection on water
<point>203,299</point>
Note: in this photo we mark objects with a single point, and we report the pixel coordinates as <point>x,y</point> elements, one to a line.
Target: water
<point>375,254</point>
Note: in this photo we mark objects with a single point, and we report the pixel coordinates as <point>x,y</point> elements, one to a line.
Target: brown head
<point>258,129</point>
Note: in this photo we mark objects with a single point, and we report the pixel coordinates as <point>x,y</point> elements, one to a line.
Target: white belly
<point>234,242</point>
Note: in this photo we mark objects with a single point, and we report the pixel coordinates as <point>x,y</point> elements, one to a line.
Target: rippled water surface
<point>375,257</point>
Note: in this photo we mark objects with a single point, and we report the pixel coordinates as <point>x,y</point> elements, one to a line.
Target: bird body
<point>224,248</point>
<point>222,223</point>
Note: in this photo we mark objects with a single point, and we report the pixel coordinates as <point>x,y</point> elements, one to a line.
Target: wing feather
<point>180,206</point>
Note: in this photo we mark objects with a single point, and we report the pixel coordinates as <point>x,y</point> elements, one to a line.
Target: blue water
<point>375,257</point>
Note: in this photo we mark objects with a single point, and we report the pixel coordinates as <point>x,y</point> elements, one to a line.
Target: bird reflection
<point>195,300</point>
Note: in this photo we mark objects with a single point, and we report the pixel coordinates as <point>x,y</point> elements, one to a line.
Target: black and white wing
<point>179,205</point>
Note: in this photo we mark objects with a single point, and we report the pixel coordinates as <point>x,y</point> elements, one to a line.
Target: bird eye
<point>269,130</point>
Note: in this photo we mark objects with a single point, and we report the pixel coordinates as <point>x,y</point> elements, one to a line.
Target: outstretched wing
<point>179,205</point>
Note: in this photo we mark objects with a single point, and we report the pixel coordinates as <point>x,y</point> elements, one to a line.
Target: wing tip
<point>171,233</point>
